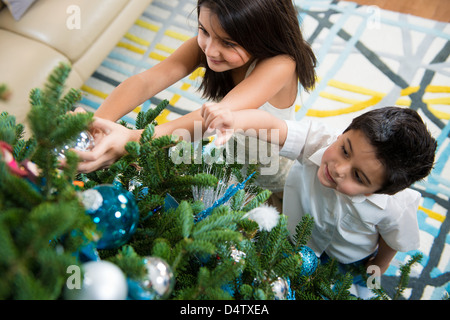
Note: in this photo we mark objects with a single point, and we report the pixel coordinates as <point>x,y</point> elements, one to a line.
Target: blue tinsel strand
<point>231,191</point>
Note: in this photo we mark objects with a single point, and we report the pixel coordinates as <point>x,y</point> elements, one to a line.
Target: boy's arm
<point>383,257</point>
<point>251,122</point>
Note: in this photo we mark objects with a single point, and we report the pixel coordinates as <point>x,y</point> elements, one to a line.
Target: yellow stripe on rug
<point>177,35</point>
<point>432,214</point>
<point>137,39</point>
<point>94,92</point>
<point>376,96</point>
<point>147,25</point>
<point>131,47</point>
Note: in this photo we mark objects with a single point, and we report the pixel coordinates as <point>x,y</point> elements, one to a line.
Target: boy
<point>355,185</point>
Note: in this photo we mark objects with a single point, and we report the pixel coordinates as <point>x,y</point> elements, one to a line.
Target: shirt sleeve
<point>305,137</point>
<point>296,138</point>
<point>401,231</point>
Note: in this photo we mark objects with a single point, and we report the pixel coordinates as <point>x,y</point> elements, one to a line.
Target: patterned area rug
<point>367,57</point>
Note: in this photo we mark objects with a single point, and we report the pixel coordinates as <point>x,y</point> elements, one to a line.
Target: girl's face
<point>222,53</point>
<point>350,165</point>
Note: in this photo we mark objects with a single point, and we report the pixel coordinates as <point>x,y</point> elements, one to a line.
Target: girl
<point>254,55</point>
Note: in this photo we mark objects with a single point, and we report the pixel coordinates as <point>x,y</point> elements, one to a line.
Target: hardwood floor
<point>431,9</point>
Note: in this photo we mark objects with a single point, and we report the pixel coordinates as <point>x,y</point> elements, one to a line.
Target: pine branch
<point>405,270</point>
<point>303,231</point>
<point>146,118</point>
<point>34,213</point>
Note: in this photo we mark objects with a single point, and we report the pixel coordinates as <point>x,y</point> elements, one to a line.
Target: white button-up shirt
<point>346,228</point>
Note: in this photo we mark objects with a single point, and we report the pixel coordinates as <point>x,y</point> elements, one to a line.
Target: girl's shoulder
<point>283,59</point>
<point>281,63</point>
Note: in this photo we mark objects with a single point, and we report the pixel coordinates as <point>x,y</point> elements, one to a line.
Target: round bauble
<point>159,281</point>
<point>83,142</point>
<point>115,212</point>
<point>280,288</point>
<point>310,261</point>
<point>102,280</point>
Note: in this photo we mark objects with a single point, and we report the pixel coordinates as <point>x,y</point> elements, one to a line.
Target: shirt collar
<point>380,200</point>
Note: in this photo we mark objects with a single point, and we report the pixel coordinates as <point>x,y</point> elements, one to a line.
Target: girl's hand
<point>219,119</point>
<point>110,141</point>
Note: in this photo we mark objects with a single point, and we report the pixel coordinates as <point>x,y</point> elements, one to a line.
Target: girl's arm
<point>138,88</point>
<point>383,257</point>
<point>269,78</point>
<point>266,81</point>
<point>273,79</point>
<point>110,145</point>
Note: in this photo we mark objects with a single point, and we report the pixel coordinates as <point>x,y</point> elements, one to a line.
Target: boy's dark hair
<point>402,142</point>
<point>264,28</point>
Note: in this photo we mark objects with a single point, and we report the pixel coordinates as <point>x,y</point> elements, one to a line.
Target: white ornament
<point>266,216</point>
<point>102,280</point>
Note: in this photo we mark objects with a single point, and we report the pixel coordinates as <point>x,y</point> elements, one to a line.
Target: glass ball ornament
<point>84,142</point>
<point>115,212</point>
<point>280,288</point>
<point>310,261</point>
<point>159,280</point>
<point>101,280</point>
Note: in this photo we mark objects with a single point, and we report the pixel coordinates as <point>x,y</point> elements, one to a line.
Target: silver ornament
<point>159,281</point>
<point>102,280</point>
<point>280,288</point>
<point>84,142</point>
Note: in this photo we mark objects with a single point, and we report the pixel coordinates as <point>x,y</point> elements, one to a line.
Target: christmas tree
<point>163,228</point>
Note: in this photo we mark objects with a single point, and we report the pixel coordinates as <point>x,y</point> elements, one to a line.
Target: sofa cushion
<point>18,7</point>
<point>49,22</point>
<point>37,60</point>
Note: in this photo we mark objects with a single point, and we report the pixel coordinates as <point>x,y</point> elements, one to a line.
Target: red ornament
<point>24,169</point>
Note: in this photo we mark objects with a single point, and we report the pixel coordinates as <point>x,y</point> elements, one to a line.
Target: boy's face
<point>350,165</point>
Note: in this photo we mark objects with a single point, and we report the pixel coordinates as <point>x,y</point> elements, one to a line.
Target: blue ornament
<point>310,261</point>
<point>115,212</point>
<point>88,253</point>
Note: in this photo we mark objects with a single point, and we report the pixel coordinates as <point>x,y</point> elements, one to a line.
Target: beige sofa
<point>81,32</point>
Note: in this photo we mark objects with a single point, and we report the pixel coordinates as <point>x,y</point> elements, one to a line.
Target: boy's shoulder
<point>400,199</point>
<point>386,209</point>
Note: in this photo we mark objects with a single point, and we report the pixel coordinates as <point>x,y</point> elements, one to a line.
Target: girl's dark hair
<point>402,143</point>
<point>264,28</point>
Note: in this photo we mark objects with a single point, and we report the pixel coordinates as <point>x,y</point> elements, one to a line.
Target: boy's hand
<point>219,119</point>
